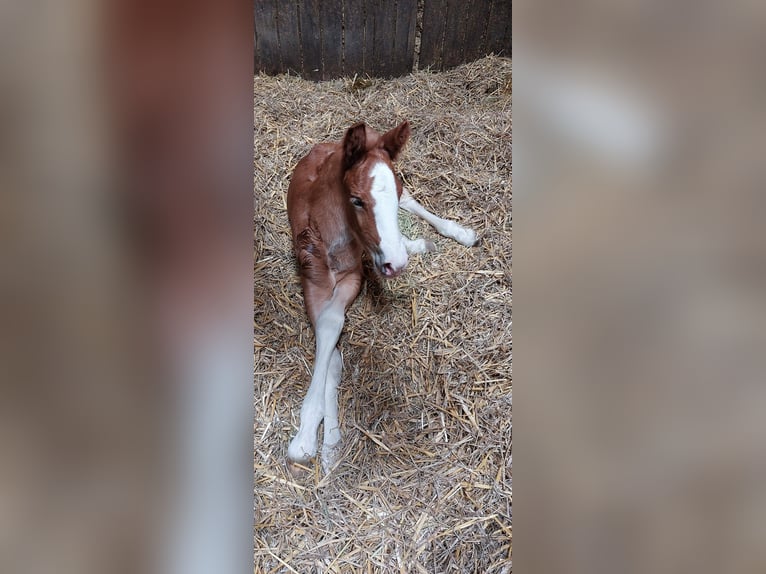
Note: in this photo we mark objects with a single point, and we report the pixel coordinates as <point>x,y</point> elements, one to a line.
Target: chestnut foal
<point>343,200</point>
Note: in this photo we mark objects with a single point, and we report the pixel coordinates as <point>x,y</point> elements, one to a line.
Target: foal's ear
<point>394,140</point>
<point>354,145</point>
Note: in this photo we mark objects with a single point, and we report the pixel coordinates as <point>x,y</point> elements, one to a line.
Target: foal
<point>343,200</point>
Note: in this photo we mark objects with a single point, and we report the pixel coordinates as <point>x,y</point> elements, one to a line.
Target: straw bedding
<point>424,484</point>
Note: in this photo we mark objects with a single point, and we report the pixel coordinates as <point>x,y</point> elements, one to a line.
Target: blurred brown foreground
<point>126,289</point>
<point>639,295</point>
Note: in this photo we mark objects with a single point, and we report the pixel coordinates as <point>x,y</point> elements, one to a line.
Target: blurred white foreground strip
<point>210,519</point>
<point>580,110</point>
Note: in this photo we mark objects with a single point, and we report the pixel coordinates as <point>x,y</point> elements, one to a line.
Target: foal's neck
<point>331,216</point>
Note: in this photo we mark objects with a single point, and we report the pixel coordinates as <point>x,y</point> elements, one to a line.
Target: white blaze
<point>386,212</point>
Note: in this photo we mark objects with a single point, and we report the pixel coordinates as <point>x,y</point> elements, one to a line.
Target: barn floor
<point>425,398</point>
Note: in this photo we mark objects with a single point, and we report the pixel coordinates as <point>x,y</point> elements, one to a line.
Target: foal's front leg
<point>420,245</point>
<point>331,442</point>
<point>445,227</point>
<point>321,398</point>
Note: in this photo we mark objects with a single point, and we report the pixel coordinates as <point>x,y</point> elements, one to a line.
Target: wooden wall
<point>324,39</point>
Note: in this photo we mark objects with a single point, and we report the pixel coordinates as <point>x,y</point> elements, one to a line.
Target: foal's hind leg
<point>444,227</point>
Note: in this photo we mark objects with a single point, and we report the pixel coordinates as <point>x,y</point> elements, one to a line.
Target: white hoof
<point>302,449</point>
<point>415,246</point>
<point>465,236</point>
<point>330,457</point>
<point>296,469</point>
<point>330,446</point>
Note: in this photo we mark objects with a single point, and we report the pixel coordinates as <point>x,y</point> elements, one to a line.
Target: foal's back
<point>314,187</point>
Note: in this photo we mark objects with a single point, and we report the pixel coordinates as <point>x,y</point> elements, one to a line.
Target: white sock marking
<point>444,227</point>
<point>328,328</point>
<point>419,245</point>
<point>331,441</point>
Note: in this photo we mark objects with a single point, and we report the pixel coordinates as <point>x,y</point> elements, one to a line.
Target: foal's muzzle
<point>390,266</point>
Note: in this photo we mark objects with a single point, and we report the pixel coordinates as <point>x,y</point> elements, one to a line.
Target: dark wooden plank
<point>331,20</point>
<point>381,19</point>
<point>433,34</point>
<point>499,28</point>
<point>256,52</point>
<point>266,37</point>
<point>404,39</point>
<point>311,39</point>
<point>477,19</point>
<point>506,46</point>
<point>454,33</point>
<point>354,44</point>
<point>289,37</point>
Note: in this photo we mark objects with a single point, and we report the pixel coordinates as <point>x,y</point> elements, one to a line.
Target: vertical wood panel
<point>256,52</point>
<point>476,22</point>
<point>369,36</point>
<point>289,37</point>
<point>433,33</point>
<point>267,41</point>
<point>499,29</point>
<point>331,21</point>
<point>404,41</point>
<point>381,19</point>
<point>454,33</point>
<point>311,39</point>
<point>354,15</point>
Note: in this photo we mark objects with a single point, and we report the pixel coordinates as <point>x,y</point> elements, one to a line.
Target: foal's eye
<point>357,202</point>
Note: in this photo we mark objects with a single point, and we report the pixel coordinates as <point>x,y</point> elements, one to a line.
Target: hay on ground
<point>424,484</point>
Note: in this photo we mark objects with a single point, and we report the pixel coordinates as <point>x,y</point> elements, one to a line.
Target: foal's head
<point>373,193</point>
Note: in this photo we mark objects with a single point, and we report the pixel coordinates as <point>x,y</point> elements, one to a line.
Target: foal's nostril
<point>388,270</point>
